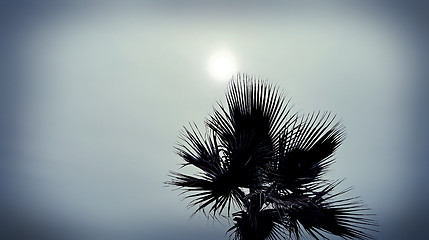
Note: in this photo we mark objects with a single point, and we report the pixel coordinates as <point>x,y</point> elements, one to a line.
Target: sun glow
<point>222,65</point>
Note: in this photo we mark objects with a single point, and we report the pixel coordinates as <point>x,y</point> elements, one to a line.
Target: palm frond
<point>215,185</point>
<point>208,192</point>
<point>249,129</point>
<point>306,150</point>
<point>320,213</point>
<point>199,151</point>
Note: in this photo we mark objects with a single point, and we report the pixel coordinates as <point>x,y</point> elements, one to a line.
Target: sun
<point>222,65</point>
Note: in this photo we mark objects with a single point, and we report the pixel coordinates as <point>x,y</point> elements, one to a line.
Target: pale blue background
<point>93,96</point>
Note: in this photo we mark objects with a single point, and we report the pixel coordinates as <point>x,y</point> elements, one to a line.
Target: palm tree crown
<point>267,163</point>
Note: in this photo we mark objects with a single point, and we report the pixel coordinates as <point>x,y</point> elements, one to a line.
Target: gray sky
<point>94,96</point>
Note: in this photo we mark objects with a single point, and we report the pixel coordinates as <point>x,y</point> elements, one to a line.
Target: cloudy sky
<point>94,95</point>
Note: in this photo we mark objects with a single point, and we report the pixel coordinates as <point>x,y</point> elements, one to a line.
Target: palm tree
<point>266,163</point>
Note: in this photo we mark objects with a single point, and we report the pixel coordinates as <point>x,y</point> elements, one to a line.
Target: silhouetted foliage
<point>261,159</point>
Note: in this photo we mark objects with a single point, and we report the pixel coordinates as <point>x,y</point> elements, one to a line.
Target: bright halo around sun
<point>222,65</point>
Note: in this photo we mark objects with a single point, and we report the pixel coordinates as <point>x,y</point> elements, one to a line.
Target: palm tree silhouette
<point>266,163</point>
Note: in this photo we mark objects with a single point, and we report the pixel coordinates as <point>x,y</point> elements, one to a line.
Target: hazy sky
<point>93,97</point>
